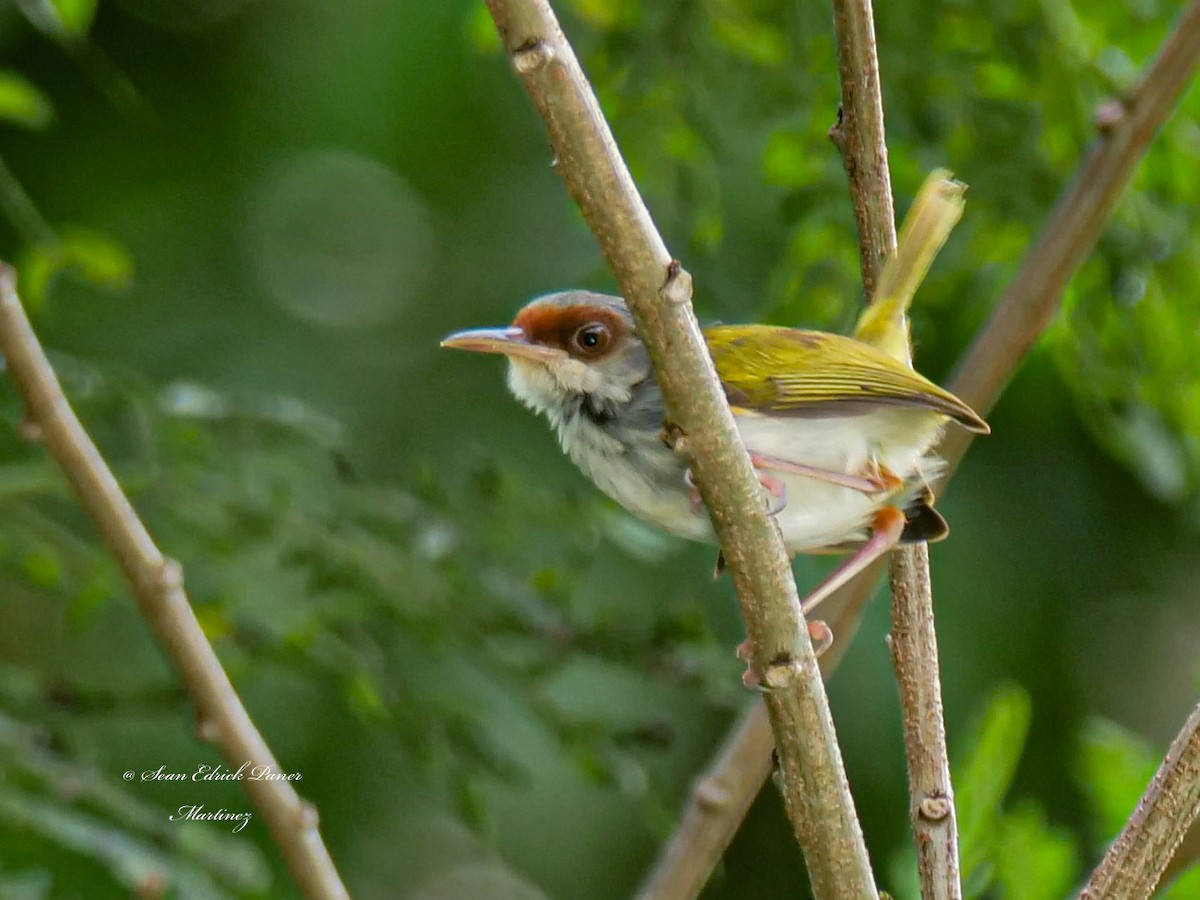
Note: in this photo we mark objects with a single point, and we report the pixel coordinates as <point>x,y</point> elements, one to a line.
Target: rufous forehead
<point>554,326</point>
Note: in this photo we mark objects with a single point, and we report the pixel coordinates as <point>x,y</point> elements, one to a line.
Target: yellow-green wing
<point>788,371</point>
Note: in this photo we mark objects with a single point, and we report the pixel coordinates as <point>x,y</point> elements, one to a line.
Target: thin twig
<point>724,794</point>
<point>737,772</point>
<point>658,292</point>
<point>1021,315</point>
<point>1137,858</point>
<point>913,642</point>
<point>860,136</point>
<point>157,585</point>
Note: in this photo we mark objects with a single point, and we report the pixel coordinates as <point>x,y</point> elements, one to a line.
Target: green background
<point>251,224</point>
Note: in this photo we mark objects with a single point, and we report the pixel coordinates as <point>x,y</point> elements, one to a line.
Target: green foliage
<point>23,103</point>
<point>983,780</point>
<point>96,259</point>
<point>428,612</point>
<point>293,560</point>
<point>74,16</point>
<point>1033,859</point>
<point>74,808</point>
<point>1115,767</point>
<point>68,20</point>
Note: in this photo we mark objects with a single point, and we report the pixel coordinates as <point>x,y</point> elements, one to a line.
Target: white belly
<point>647,478</point>
<point>818,514</point>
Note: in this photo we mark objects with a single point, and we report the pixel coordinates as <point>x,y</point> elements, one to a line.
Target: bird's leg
<point>886,528</point>
<point>776,488</point>
<point>876,479</point>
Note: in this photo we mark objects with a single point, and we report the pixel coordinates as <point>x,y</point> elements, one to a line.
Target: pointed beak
<point>510,341</point>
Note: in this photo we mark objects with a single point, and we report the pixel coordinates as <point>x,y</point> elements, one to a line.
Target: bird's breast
<point>630,463</point>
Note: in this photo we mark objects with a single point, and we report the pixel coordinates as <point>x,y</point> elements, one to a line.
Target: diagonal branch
<point>1140,854</point>
<point>724,794</point>
<point>1021,315</point>
<point>658,292</point>
<point>860,136</point>
<point>157,584</point>
<point>1031,301</point>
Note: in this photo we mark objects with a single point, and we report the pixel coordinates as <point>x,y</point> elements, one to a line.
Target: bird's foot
<point>774,487</point>
<point>822,639</point>
<point>885,480</point>
<point>777,492</point>
<point>696,500</point>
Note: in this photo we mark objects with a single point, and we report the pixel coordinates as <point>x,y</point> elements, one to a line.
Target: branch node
<point>207,728</point>
<point>934,808</point>
<point>1109,115</point>
<point>835,130</point>
<point>532,55</point>
<point>307,817</point>
<point>677,287</point>
<point>672,435</point>
<point>170,576</point>
<point>30,429</point>
<point>710,796</point>
<point>780,672</point>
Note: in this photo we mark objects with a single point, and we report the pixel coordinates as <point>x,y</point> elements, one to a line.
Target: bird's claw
<point>696,500</point>
<point>777,491</point>
<point>819,633</point>
<point>774,487</point>
<point>885,481</point>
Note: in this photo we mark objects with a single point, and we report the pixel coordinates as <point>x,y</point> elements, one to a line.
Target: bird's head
<point>564,347</point>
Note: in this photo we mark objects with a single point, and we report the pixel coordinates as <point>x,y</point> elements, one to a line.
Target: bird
<point>839,429</point>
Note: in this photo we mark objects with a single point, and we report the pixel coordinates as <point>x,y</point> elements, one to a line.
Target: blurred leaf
<point>60,18</point>
<point>481,30</point>
<point>98,260</point>
<point>747,37</point>
<point>76,16</point>
<point>984,773</point>
<point>22,103</point>
<point>1115,766</point>
<point>1185,887</point>
<point>608,14</point>
<point>790,160</point>
<point>1034,860</point>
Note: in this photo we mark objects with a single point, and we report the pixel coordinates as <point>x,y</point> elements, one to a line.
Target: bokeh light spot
<point>339,240</point>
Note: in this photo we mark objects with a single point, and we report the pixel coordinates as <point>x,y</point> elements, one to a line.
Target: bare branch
<point>723,795</point>
<point>860,136</point>
<point>1023,312</point>
<point>1137,858</point>
<point>658,292</point>
<point>741,766</point>
<point>1032,299</point>
<point>913,642</point>
<point>157,585</point>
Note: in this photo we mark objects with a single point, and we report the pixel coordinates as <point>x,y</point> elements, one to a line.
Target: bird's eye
<point>591,338</point>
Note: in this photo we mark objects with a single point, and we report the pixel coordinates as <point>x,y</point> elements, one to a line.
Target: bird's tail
<point>934,213</point>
